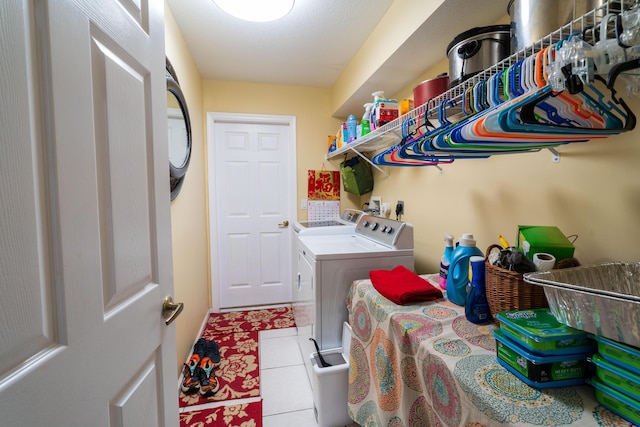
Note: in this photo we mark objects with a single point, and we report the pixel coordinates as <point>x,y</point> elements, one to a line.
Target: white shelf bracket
<point>369,161</point>
<point>555,158</point>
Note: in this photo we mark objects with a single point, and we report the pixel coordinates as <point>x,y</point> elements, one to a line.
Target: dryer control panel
<point>395,234</point>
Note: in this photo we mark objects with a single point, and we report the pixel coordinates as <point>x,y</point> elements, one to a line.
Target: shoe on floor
<point>208,381</point>
<point>191,380</point>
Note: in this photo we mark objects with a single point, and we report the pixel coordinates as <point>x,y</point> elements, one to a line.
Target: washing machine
<point>328,265</point>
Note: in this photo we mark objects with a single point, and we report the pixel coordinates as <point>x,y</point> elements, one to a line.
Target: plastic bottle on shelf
<point>377,97</point>
<point>476,306</point>
<point>384,110</point>
<point>365,124</point>
<point>352,124</point>
<point>345,134</point>
<point>458,275</point>
<point>445,260</point>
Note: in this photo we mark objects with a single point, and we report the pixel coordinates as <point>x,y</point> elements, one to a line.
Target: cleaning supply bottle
<point>366,127</point>
<point>476,306</point>
<point>352,125</point>
<point>445,260</point>
<point>458,276</point>
<point>377,99</point>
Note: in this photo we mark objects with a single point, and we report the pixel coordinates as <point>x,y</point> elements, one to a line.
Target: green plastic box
<point>541,371</point>
<point>617,402</point>
<point>616,377</point>
<point>538,331</point>
<point>619,354</point>
<point>533,239</point>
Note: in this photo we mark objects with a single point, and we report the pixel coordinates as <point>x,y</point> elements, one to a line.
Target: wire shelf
<point>391,132</point>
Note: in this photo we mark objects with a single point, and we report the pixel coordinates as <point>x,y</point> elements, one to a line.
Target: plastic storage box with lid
<point>602,299</point>
<point>533,239</point>
<point>617,402</point>
<point>538,331</point>
<point>619,354</point>
<point>329,384</point>
<point>616,377</point>
<point>541,371</point>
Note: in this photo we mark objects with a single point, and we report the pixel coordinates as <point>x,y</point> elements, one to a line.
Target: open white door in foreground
<point>85,245</point>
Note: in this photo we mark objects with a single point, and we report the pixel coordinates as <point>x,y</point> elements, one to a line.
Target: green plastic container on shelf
<point>541,371</point>
<point>616,377</point>
<point>539,332</point>
<point>617,402</point>
<point>620,354</point>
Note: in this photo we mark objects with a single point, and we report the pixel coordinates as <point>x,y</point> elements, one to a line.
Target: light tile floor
<point>287,400</point>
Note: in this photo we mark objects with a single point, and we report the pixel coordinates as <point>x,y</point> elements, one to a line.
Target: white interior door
<point>252,181</point>
<point>85,245</point>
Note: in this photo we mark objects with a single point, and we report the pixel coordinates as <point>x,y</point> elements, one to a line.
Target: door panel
<point>85,232</point>
<point>252,199</point>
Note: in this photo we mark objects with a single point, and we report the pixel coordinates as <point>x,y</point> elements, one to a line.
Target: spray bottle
<point>445,260</point>
<point>365,124</point>
<point>377,96</point>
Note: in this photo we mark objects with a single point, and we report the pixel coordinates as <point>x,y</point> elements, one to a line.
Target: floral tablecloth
<point>426,365</point>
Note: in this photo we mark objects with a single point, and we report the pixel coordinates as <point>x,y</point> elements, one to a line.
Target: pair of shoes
<point>198,371</point>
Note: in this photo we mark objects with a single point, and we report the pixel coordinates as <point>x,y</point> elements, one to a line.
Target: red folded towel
<point>402,286</point>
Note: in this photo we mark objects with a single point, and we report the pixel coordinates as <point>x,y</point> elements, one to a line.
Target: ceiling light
<point>256,10</point>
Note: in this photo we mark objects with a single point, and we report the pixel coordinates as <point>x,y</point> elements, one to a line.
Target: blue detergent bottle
<point>458,276</point>
<point>352,125</point>
<point>476,306</point>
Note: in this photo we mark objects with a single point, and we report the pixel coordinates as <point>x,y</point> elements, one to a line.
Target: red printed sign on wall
<point>323,185</point>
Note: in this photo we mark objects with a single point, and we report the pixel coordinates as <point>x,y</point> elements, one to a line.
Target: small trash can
<point>330,383</point>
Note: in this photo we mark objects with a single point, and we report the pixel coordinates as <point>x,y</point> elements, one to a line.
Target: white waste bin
<point>330,383</point>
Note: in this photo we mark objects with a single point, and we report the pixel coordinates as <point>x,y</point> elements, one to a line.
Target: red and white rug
<point>237,402</point>
<point>238,415</point>
<point>252,320</point>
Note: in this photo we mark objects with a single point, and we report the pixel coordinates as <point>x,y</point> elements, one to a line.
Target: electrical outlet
<point>400,208</point>
<point>375,203</point>
<point>303,204</point>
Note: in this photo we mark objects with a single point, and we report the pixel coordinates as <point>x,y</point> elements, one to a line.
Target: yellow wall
<point>188,210</point>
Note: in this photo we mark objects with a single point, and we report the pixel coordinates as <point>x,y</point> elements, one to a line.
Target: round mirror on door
<point>179,132</point>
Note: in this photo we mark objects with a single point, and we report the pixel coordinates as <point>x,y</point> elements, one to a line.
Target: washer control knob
<point>374,226</point>
<point>389,230</point>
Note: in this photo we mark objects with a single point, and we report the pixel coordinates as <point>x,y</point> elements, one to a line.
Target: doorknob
<point>284,224</point>
<point>170,310</point>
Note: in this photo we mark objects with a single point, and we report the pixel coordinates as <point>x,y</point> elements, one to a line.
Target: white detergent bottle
<point>445,261</point>
<point>458,276</point>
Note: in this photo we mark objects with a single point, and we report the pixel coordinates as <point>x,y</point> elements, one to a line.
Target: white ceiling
<point>314,43</point>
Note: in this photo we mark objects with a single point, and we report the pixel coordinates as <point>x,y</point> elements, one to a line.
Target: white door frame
<point>212,118</point>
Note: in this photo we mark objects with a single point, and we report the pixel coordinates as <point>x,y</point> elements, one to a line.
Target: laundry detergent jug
<point>458,276</point>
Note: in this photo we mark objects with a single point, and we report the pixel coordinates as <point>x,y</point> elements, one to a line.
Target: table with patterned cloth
<point>426,365</point>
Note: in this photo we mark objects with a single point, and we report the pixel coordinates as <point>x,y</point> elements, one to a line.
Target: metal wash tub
<point>603,299</point>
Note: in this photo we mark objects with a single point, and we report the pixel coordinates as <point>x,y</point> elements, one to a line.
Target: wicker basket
<point>507,290</point>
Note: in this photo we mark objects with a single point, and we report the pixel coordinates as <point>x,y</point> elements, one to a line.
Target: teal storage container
<point>616,377</point>
<point>541,371</point>
<point>619,354</point>
<point>616,402</point>
<point>539,332</point>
